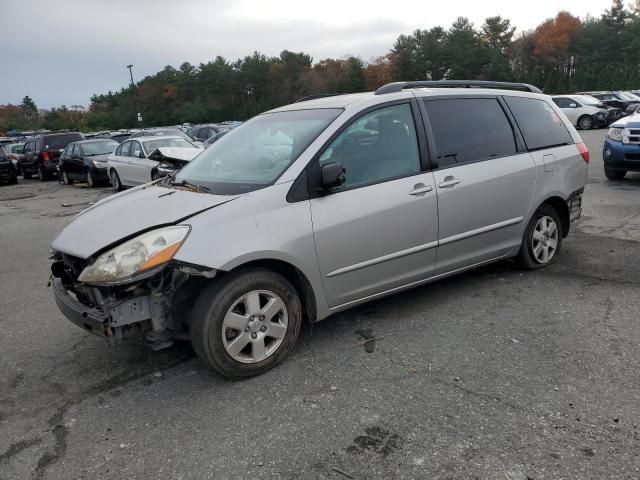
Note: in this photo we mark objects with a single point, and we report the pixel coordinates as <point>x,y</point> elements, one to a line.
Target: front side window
<point>540,124</point>
<point>126,149</point>
<point>469,130</point>
<point>563,102</point>
<point>136,150</point>
<point>378,146</point>
<point>255,154</point>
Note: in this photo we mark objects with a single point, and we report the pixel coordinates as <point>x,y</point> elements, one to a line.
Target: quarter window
<point>540,124</point>
<point>378,146</point>
<point>469,130</point>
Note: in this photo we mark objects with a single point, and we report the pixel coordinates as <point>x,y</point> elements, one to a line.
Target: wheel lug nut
<point>263,328</point>
<point>261,317</point>
<point>254,335</point>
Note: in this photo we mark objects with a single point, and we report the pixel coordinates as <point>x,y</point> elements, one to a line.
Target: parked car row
<point>588,110</point>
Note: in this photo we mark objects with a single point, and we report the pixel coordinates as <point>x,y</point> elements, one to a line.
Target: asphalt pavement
<point>494,374</point>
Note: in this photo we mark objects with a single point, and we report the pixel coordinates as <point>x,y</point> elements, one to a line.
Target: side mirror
<point>573,105</point>
<point>332,175</point>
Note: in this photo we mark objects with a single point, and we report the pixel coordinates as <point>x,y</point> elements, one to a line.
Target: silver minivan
<point>315,207</point>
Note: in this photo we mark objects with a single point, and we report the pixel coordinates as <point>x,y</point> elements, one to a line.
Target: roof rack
<point>399,86</point>
<point>313,97</point>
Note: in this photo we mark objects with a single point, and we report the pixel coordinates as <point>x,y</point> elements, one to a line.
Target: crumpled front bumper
<point>93,320</point>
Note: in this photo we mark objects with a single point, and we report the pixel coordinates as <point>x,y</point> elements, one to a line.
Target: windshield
<point>151,145</point>
<point>55,142</point>
<point>594,102</point>
<point>99,148</point>
<point>170,132</point>
<point>255,154</point>
<point>17,148</point>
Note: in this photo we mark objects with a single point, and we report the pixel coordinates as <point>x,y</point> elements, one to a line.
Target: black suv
<point>41,153</point>
<point>8,172</point>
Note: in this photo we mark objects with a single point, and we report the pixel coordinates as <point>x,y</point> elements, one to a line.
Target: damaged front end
<point>135,290</point>
<point>171,159</point>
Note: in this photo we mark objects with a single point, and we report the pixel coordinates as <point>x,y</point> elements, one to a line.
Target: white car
<point>583,112</point>
<point>143,159</point>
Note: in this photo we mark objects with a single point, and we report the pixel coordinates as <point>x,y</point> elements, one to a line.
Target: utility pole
<point>130,67</point>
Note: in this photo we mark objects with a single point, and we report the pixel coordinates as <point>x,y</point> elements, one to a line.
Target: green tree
<point>29,108</point>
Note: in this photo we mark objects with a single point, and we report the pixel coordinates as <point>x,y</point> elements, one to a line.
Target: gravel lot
<point>495,374</point>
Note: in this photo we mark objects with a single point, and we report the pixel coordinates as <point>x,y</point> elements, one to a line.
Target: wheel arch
<point>294,275</point>
<point>560,206</point>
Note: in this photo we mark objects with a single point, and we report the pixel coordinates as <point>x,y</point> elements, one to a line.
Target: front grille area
<point>634,135</point>
<point>75,265</point>
<point>632,156</point>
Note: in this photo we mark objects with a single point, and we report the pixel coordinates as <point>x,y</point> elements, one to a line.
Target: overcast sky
<point>63,51</point>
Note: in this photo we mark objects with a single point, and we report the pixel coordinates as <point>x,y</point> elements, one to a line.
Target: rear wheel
<point>246,323</point>
<point>614,174</point>
<point>542,239</point>
<point>115,181</point>
<point>66,179</point>
<point>585,122</point>
<point>41,175</point>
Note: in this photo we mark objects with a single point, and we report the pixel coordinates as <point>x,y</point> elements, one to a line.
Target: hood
<point>169,154</point>
<point>632,121</point>
<point>99,158</point>
<point>121,216</point>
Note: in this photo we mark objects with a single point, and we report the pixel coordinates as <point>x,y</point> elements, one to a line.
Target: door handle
<point>449,182</point>
<point>420,189</point>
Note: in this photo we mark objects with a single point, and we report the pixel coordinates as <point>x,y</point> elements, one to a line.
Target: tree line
<point>562,54</point>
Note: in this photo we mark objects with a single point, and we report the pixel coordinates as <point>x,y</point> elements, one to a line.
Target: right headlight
<point>616,134</point>
<point>135,258</point>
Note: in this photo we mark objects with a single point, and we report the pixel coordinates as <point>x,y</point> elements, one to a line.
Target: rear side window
<point>540,124</point>
<point>55,142</point>
<point>469,130</point>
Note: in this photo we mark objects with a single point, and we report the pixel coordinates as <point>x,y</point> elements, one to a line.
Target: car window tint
<point>378,146</point>
<point>539,123</point>
<point>469,129</point>
<point>126,149</point>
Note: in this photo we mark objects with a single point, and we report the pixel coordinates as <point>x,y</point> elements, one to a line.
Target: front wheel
<point>115,181</point>
<point>66,179</point>
<point>614,174</point>
<point>542,239</point>
<point>585,122</point>
<point>245,323</point>
<point>90,180</point>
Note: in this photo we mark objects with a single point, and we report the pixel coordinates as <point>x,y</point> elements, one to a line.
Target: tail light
<point>45,156</point>
<point>584,152</point>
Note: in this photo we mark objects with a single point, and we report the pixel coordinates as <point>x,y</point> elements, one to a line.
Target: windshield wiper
<point>192,186</point>
<point>96,154</point>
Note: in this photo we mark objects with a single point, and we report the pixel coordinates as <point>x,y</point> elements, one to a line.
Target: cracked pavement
<point>496,373</point>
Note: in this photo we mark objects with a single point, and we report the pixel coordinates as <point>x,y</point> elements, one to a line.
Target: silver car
<point>316,207</point>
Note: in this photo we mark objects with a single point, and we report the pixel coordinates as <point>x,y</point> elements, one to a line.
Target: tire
<point>42,176</point>
<point>614,174</point>
<point>65,178</point>
<point>26,175</point>
<point>13,180</point>
<point>115,180</point>
<point>543,232</point>
<point>585,122</point>
<point>228,301</point>
<point>89,178</point>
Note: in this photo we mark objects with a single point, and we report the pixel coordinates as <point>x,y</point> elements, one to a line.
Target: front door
<point>484,179</point>
<point>378,231</point>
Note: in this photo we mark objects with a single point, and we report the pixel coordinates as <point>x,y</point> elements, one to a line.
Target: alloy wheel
<point>115,180</point>
<point>255,326</point>
<point>545,239</point>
